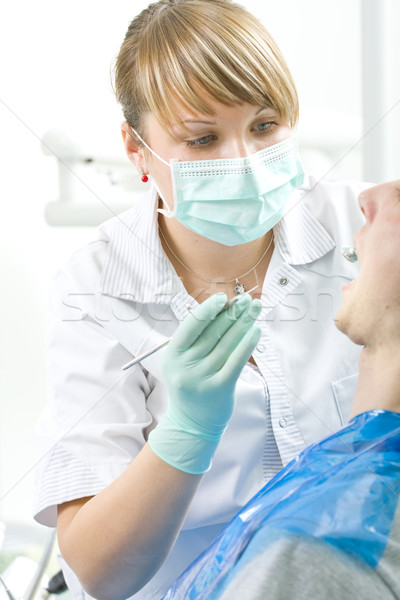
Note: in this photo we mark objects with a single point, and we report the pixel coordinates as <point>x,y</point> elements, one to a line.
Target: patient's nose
<point>368,201</point>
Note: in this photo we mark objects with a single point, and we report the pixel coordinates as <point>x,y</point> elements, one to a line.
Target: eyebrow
<point>189,120</point>
<point>197,121</point>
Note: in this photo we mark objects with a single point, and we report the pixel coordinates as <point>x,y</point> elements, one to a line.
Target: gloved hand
<point>201,365</point>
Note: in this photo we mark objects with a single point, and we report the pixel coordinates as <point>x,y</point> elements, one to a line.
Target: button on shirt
<point>120,296</point>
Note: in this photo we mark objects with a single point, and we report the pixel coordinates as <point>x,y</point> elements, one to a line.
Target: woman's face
<point>231,132</point>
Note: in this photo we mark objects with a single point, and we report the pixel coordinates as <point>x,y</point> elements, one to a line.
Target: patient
<point>328,525</point>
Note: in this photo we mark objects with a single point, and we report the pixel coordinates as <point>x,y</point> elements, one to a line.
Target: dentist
<point>139,473</point>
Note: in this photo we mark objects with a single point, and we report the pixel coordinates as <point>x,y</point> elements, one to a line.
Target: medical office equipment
<point>95,180</point>
<point>24,579</point>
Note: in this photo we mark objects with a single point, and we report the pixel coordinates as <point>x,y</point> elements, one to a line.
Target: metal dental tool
<point>165,342</point>
<point>349,253</point>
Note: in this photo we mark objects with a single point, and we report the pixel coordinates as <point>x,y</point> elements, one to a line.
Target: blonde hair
<point>176,49</point>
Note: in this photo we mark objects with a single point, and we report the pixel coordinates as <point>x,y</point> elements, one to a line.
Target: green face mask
<point>236,200</point>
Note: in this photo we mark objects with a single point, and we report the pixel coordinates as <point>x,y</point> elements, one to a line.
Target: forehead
<point>220,113</point>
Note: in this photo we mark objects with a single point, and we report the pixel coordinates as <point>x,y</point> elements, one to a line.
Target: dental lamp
<point>96,181</point>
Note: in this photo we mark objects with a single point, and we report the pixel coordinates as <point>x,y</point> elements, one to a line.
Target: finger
<point>190,329</point>
<point>218,327</point>
<point>241,354</point>
<point>232,338</point>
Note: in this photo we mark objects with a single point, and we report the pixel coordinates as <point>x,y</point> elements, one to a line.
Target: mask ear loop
<point>148,148</point>
<point>165,163</point>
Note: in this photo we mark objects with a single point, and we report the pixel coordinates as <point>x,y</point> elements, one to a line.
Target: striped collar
<point>299,236</point>
<point>136,267</point>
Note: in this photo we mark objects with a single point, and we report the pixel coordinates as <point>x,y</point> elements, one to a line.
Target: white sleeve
<point>96,419</point>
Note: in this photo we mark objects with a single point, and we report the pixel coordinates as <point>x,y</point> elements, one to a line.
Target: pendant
<point>239,288</point>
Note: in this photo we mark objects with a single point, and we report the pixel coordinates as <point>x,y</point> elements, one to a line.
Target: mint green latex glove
<point>201,366</point>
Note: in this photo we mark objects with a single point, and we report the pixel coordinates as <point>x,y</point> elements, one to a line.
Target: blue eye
<point>203,141</point>
<point>265,126</point>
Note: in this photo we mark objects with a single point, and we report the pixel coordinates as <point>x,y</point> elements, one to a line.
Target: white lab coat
<point>119,295</point>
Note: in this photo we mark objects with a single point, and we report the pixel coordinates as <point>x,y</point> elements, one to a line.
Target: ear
<point>133,151</point>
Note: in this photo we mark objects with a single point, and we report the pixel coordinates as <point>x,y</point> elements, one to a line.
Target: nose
<point>368,201</point>
<point>237,147</point>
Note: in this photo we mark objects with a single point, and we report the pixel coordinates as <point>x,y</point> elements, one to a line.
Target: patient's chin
<point>354,335</point>
<point>341,321</point>
<point>350,327</point>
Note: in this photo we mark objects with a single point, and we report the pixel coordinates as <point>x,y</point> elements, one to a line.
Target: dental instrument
<point>349,253</point>
<point>141,357</point>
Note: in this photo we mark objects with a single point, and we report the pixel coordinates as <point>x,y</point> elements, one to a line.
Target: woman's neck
<point>197,259</point>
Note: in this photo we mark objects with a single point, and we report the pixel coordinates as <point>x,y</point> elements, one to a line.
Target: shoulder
<point>282,562</point>
<point>334,204</point>
<point>337,193</point>
<point>83,269</point>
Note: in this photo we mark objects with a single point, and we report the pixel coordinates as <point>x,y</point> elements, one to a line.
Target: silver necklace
<point>239,287</point>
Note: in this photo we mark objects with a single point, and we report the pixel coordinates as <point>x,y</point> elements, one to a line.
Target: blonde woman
<point>145,466</point>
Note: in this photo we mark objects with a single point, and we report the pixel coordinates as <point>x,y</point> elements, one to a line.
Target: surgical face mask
<point>236,200</point>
